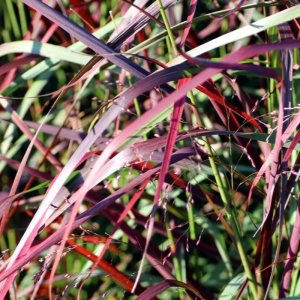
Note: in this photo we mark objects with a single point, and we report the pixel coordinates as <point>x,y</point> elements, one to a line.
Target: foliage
<point>149,149</point>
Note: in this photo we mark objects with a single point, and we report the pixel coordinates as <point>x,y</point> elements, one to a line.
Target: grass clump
<point>149,149</point>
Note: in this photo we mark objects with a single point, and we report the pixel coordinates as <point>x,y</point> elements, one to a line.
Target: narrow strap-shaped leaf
<point>85,37</point>
<point>156,289</point>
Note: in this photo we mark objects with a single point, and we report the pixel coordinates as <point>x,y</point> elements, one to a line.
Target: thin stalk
<point>172,49</point>
<point>169,47</point>
<point>168,27</point>
<point>232,220</point>
<point>158,37</point>
<point>171,40</point>
<point>182,263</point>
<point>192,229</point>
<point>223,189</point>
<point>13,19</point>
<point>135,100</point>
<point>176,263</point>
<point>173,250</point>
<point>272,62</point>
<point>136,105</point>
<point>295,277</point>
<point>22,17</point>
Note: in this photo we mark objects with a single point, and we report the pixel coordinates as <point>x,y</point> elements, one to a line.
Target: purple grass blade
<point>233,10</point>
<point>142,150</point>
<point>66,133</point>
<point>16,165</point>
<point>167,102</point>
<point>136,22</point>
<point>267,72</point>
<point>83,217</point>
<point>85,37</point>
<point>18,62</point>
<point>156,289</point>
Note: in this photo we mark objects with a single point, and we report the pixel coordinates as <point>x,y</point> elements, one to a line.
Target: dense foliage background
<point>149,149</point>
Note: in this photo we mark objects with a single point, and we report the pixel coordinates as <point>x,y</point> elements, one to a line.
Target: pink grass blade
<point>168,101</point>
<point>173,131</point>
<point>192,10</point>
<point>284,105</point>
<point>291,255</point>
<point>83,217</point>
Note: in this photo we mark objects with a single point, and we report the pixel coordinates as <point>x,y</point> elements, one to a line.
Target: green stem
<point>223,189</point>
<point>232,220</point>
<point>168,27</point>
<point>176,263</point>
<point>22,17</point>
<point>13,19</point>
<point>192,229</point>
<point>295,277</point>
